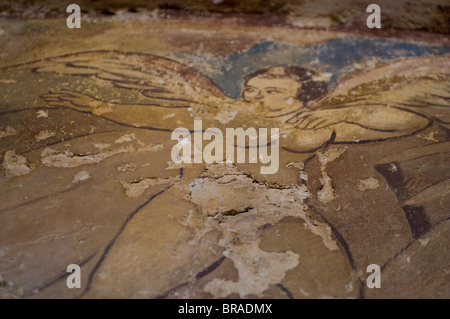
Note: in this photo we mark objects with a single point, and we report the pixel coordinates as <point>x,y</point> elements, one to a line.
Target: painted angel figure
<point>292,98</point>
<point>364,107</point>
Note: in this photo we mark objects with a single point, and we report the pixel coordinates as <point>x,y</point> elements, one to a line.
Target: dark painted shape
<point>418,220</point>
<point>394,178</point>
<point>445,131</point>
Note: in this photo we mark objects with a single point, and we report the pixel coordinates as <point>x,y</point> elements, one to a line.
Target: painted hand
<point>318,119</point>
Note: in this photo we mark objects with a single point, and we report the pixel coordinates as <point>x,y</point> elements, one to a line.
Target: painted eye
<point>273,91</point>
<point>250,90</point>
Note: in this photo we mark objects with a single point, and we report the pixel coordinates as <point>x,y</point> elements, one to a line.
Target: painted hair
<point>310,89</point>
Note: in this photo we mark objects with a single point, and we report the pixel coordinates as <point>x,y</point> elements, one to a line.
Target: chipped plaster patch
<point>299,165</point>
<point>322,230</point>
<point>429,136</point>
<point>54,158</point>
<point>99,108</point>
<point>289,101</point>
<point>225,117</point>
<point>127,167</point>
<point>303,175</point>
<point>331,155</point>
<point>393,168</point>
<point>43,135</point>
<point>172,165</point>
<point>257,269</point>
<point>424,241</point>
<point>150,148</point>
<point>327,193</point>
<point>16,165</point>
<point>101,146</point>
<point>8,131</point>
<point>125,138</point>
<point>237,206</point>
<point>368,183</point>
<point>80,176</point>
<point>135,189</point>
<point>42,113</point>
<point>168,116</point>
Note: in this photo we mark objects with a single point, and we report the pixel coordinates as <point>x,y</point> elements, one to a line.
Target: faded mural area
<point>87,174</point>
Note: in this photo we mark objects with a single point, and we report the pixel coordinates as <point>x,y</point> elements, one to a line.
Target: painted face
<point>274,96</point>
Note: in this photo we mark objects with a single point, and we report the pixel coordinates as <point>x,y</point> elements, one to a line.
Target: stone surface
<point>88,176</point>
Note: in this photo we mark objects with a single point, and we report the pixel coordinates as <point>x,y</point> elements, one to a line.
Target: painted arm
<point>313,129</point>
<point>373,117</point>
<point>136,115</point>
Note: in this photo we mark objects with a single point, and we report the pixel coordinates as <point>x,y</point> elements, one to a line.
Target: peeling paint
<point>429,136</point>
<point>239,207</point>
<point>54,158</point>
<point>136,188</point>
<point>101,145</point>
<point>368,183</point>
<point>172,165</point>
<point>42,113</point>
<point>9,131</point>
<point>43,135</point>
<point>16,165</point>
<point>299,165</point>
<point>168,116</point>
<point>125,138</point>
<point>257,269</point>
<point>80,176</point>
<point>127,167</point>
<point>327,193</point>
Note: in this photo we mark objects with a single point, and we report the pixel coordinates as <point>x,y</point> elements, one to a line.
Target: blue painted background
<point>336,56</point>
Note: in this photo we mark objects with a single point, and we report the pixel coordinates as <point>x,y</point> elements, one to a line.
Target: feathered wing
<point>411,68</point>
<point>413,82</point>
<point>162,81</point>
<point>405,89</point>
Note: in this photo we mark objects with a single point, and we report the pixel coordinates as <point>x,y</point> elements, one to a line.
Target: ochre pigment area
<point>105,164</point>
